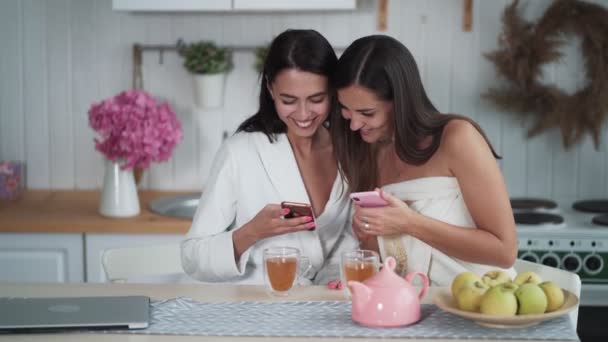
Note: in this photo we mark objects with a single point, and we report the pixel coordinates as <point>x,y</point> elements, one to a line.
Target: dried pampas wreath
<point>524,47</point>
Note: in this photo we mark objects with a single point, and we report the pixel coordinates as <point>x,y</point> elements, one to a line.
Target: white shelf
<point>231,5</point>
<point>170,6</point>
<point>293,5</point>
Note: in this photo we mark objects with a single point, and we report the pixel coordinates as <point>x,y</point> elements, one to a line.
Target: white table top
<point>208,293</point>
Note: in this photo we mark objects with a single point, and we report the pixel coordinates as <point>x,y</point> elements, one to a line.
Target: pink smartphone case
<point>368,199</point>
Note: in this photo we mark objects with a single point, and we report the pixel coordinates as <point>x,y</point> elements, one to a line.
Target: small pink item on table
<point>335,284</point>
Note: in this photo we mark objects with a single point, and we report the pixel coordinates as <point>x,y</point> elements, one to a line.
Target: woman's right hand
<point>270,222</point>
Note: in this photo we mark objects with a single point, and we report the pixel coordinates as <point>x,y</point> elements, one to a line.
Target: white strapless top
<point>439,198</point>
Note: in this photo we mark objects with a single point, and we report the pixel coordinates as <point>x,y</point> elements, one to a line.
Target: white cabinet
<point>173,5</point>
<point>231,5</point>
<point>97,243</point>
<point>41,257</point>
<point>287,5</point>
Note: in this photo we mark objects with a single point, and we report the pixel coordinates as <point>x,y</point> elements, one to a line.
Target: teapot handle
<point>425,280</point>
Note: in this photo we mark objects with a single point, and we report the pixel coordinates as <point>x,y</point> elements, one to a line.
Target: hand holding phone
<point>297,210</point>
<point>368,199</point>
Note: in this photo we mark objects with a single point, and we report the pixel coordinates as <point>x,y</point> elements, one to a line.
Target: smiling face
<point>301,99</point>
<point>367,113</point>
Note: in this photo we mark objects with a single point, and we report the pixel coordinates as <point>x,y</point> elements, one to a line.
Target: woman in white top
<point>448,207</point>
<point>281,153</point>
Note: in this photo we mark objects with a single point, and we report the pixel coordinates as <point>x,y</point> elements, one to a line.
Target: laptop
<point>31,314</point>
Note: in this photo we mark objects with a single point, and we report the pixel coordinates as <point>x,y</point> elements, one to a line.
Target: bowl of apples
<point>497,301</point>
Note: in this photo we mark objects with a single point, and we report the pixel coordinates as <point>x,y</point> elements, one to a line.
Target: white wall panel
<point>12,145</point>
<point>514,157</point>
<point>158,31</point>
<point>57,60</point>
<point>337,30</point>
<point>566,176</point>
<point>178,93</point>
<point>463,88</point>
<point>109,50</point>
<point>487,15</point>
<point>438,50</point>
<point>35,86</point>
<point>539,150</point>
<point>59,87</point>
<point>85,91</point>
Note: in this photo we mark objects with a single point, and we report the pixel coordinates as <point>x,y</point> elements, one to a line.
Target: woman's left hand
<point>388,220</point>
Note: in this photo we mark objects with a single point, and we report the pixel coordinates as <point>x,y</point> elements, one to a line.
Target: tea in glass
<point>282,267</point>
<point>281,272</point>
<point>359,265</point>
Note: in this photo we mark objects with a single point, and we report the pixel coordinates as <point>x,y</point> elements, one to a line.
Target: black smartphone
<point>297,210</point>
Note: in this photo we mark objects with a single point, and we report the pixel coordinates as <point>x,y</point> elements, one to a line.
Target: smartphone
<point>368,199</point>
<point>297,210</point>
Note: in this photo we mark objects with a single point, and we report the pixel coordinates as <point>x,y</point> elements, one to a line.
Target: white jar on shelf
<point>209,90</point>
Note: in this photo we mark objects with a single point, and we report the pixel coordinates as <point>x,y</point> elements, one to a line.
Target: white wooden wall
<point>59,56</point>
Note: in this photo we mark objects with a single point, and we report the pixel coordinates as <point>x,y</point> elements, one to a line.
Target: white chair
<point>566,280</point>
<point>122,264</point>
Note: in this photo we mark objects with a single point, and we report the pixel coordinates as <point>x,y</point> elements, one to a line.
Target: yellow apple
<point>499,300</point>
<point>531,299</point>
<point>555,295</point>
<point>469,297</point>
<point>527,277</point>
<point>496,277</point>
<point>463,279</point>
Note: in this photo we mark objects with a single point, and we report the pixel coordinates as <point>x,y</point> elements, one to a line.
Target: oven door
<point>592,322</point>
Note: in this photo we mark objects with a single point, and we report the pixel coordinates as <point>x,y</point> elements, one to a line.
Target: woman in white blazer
<point>448,208</point>
<point>281,153</point>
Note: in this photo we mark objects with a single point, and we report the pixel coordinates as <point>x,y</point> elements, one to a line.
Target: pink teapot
<point>386,299</point>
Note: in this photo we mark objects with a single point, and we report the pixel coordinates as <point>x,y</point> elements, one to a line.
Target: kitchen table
<point>200,292</point>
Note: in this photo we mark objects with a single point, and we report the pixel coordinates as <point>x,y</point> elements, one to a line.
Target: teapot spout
<point>361,294</point>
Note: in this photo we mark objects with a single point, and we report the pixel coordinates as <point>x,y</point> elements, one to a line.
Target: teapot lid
<point>387,276</point>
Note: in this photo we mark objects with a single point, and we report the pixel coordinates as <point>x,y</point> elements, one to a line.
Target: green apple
<point>500,300</point>
<point>531,299</point>
<point>463,279</point>
<point>496,277</point>
<point>555,295</point>
<point>469,297</point>
<point>527,277</point>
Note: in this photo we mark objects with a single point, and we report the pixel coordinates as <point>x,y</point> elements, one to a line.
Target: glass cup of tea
<point>358,265</point>
<point>282,268</point>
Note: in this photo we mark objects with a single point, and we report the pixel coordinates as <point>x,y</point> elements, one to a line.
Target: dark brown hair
<point>304,50</point>
<point>386,67</point>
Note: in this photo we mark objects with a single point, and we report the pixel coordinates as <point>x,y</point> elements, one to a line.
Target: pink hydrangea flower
<point>135,129</point>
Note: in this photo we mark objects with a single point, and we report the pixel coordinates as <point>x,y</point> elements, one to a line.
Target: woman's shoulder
<point>459,132</point>
<point>462,140</point>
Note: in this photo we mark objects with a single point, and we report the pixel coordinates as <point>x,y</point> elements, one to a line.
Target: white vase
<point>119,193</point>
<point>209,90</point>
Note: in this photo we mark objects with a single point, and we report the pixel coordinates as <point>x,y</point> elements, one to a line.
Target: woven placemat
<point>185,316</point>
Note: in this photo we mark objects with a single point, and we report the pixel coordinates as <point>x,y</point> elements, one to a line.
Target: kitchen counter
<point>74,211</point>
<point>200,292</point>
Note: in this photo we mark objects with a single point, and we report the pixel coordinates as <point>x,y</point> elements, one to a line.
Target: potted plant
<point>260,57</point>
<point>209,65</point>
<point>135,131</point>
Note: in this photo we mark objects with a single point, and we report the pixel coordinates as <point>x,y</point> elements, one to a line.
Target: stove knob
<point>593,264</point>
<point>572,262</point>
<point>529,256</point>
<point>550,259</point>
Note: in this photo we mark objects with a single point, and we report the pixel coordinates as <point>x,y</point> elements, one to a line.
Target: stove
<point>567,234</point>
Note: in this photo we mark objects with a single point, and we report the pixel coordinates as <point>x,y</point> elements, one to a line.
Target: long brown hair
<point>385,66</point>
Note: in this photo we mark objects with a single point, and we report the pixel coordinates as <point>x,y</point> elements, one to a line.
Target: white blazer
<point>248,173</point>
